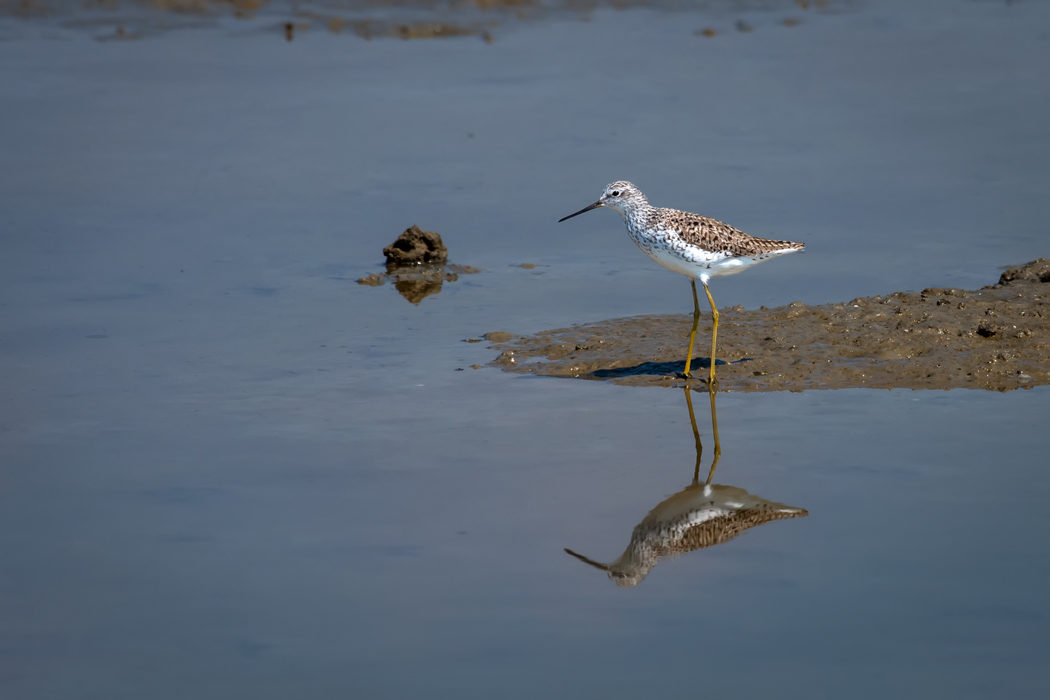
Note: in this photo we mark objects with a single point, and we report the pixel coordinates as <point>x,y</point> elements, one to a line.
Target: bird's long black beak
<point>581,211</point>
<point>595,564</point>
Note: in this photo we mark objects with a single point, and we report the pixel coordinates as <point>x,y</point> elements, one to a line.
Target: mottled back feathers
<point>715,236</point>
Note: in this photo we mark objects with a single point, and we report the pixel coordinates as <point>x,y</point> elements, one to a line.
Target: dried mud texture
<point>994,338</point>
<point>415,246</point>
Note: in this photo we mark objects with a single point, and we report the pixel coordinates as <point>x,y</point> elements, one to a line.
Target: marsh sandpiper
<point>696,246</point>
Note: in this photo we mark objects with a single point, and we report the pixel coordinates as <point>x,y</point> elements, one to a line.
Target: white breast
<point>682,262</point>
<point>700,264</point>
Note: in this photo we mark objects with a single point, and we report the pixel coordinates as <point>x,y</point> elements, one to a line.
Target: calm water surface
<point>229,470</point>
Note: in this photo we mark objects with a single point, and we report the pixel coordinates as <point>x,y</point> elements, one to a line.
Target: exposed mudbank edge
<point>996,338</point>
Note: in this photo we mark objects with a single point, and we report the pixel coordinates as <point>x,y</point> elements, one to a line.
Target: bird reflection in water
<point>700,515</point>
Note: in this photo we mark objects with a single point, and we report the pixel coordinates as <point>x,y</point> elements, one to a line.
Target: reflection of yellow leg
<point>713,381</point>
<point>692,335</point>
<point>696,435</point>
<point>714,427</point>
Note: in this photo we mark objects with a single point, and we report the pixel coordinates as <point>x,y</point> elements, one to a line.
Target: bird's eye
<point>616,193</point>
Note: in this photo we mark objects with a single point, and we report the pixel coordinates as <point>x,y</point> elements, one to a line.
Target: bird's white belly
<point>675,262</point>
<point>703,265</point>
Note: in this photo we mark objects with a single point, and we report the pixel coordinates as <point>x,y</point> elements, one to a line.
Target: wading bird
<point>692,245</point>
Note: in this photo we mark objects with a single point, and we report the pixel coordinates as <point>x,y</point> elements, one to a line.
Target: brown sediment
<point>202,6</point>
<point>499,337</point>
<point>434,30</point>
<point>996,338</point>
<point>376,28</point>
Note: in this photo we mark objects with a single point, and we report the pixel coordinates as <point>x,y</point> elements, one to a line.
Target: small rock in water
<point>416,246</point>
<point>499,337</point>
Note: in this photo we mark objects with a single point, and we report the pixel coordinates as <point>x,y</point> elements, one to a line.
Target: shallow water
<point>231,470</point>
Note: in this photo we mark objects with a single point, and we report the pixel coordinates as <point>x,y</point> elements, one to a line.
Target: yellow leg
<point>696,435</point>
<point>692,335</point>
<point>714,427</point>
<point>713,381</point>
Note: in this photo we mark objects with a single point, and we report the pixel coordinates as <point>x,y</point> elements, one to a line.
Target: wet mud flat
<point>994,338</point>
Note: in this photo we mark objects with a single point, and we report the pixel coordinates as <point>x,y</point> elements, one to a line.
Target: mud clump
<point>499,337</point>
<point>417,265</point>
<point>415,246</point>
<point>1035,271</point>
<point>995,338</point>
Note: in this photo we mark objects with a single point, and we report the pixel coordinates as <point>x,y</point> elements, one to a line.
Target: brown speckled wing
<point>725,527</point>
<point>715,236</point>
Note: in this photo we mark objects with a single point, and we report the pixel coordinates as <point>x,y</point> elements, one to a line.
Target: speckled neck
<point>639,220</point>
<point>636,214</point>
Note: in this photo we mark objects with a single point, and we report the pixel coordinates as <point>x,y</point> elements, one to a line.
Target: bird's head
<point>618,196</point>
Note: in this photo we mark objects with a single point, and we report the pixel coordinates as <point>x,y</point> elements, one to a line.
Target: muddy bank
<point>996,338</point>
<point>378,19</point>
